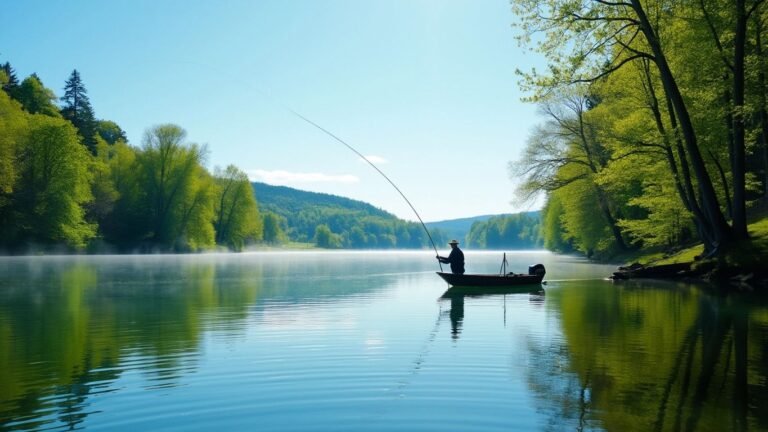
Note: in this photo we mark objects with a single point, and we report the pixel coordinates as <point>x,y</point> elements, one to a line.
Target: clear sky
<point>425,88</point>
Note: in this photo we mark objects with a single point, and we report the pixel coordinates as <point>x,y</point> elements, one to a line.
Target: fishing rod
<point>327,132</point>
<point>330,134</point>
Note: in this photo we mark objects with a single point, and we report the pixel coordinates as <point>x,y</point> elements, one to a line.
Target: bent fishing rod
<point>330,134</point>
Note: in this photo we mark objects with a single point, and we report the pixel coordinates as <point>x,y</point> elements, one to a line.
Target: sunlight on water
<point>363,341</point>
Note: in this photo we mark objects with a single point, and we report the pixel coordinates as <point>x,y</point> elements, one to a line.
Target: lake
<point>353,341</point>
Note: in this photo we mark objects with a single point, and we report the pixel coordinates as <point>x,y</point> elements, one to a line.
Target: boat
<point>535,275</point>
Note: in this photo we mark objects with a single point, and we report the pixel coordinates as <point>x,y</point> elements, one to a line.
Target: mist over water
<point>332,341</point>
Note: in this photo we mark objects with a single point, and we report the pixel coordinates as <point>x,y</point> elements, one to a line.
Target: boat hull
<point>491,280</point>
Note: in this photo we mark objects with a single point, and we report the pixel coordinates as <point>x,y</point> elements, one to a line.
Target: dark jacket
<point>455,259</point>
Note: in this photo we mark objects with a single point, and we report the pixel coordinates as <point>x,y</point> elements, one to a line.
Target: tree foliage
<point>274,228</point>
<point>77,109</point>
<point>54,184</point>
<point>36,98</point>
<point>237,219</point>
<point>358,225</point>
<point>175,188</point>
<point>674,98</point>
<point>55,193</point>
<point>516,231</point>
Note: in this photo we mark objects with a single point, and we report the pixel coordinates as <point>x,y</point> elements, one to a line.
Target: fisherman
<point>455,259</point>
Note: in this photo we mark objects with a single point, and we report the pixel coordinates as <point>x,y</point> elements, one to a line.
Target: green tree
<point>13,127</point>
<point>176,189</point>
<point>696,50</point>
<point>194,230</point>
<point>36,98</point>
<point>568,149</point>
<point>110,132</point>
<point>552,228</point>
<point>103,189</point>
<point>237,219</point>
<point>54,185</point>
<point>77,109</point>
<point>11,83</point>
<point>273,228</point>
<point>325,238</point>
<point>128,221</point>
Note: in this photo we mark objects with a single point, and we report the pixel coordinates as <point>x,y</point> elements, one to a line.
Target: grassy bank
<point>745,260</point>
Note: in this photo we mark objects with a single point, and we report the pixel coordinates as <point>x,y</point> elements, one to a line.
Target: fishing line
<point>330,134</point>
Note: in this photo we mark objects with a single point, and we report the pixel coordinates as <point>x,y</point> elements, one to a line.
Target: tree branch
<point>614,68</point>
<point>713,30</point>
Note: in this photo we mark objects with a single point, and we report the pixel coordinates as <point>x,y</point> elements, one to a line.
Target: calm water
<point>363,341</point>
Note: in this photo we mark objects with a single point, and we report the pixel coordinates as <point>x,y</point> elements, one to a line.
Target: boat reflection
<point>457,294</point>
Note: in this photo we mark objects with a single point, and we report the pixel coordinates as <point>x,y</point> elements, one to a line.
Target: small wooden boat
<point>491,280</point>
<point>535,275</point>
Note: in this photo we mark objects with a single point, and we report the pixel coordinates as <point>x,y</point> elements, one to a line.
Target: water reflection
<point>74,328</point>
<point>70,329</point>
<point>456,295</point>
<point>247,342</point>
<point>457,315</point>
<point>654,356</point>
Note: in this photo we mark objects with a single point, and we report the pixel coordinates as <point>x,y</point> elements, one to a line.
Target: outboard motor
<point>537,270</point>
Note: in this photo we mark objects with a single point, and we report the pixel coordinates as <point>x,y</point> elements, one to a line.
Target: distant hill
<point>333,221</point>
<point>284,200</point>
<point>337,222</point>
<point>457,228</point>
<point>460,229</point>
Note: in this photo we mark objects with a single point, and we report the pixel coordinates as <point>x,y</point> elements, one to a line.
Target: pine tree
<point>12,84</point>
<point>77,109</point>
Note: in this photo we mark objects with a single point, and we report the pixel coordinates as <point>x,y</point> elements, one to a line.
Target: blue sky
<point>426,88</point>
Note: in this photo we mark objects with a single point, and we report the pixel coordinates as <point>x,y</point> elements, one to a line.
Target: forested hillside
<point>332,221</point>
<point>505,231</point>
<point>514,231</point>
<point>457,228</point>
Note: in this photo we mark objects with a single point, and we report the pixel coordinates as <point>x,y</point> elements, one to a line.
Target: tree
<point>13,127</point>
<point>552,228</point>
<point>128,221</point>
<point>273,228</point>
<point>568,142</point>
<point>11,83</point>
<point>590,41</point>
<point>103,189</point>
<point>77,109</point>
<point>176,189</point>
<point>36,98</point>
<point>325,238</point>
<point>237,219</point>
<point>54,185</point>
<point>110,132</point>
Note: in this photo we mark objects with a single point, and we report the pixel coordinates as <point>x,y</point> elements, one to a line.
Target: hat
<point>453,242</point>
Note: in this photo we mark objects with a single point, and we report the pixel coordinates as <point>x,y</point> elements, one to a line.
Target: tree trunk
<point>689,202</point>
<point>602,200</point>
<point>720,231</point>
<point>738,169</point>
<point>763,108</point>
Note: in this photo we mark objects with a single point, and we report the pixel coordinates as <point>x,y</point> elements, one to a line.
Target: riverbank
<point>742,267</point>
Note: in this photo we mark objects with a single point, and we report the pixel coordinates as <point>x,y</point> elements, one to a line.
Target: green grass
<point>747,254</point>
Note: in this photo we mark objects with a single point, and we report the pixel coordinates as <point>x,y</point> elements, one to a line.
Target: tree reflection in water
<point>653,356</point>
<point>67,333</point>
